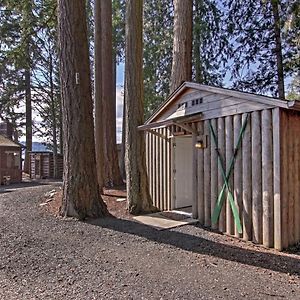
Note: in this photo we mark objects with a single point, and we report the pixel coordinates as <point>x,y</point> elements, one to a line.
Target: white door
<point>183,172</point>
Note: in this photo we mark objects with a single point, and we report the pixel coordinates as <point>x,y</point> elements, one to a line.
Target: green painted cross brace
<point>226,177</point>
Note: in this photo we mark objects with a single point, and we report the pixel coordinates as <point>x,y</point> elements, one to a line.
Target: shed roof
<point>257,101</point>
<point>6,142</point>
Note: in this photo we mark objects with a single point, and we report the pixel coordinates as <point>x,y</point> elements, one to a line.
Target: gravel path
<point>43,257</point>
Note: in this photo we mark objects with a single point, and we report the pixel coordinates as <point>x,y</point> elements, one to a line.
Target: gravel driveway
<point>44,257</point>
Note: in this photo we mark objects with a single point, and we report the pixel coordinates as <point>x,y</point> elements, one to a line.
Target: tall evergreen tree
<point>157,55</point>
<point>138,196</point>
<point>99,108</point>
<point>182,43</point>
<point>262,52</point>
<point>17,56</point>
<point>209,43</point>
<point>81,195</point>
<point>112,175</point>
<point>46,88</point>
<point>11,75</point>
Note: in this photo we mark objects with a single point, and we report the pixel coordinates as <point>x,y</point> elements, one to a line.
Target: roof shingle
<point>4,141</point>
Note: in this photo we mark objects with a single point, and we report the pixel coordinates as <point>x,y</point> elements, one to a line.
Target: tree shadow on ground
<point>202,245</point>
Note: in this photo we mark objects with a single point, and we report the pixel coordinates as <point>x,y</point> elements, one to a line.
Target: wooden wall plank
<point>207,186</point>
<point>297,178</point>
<point>238,170</point>
<point>152,168</point>
<point>147,141</point>
<point>276,178</point>
<point>221,146</point>
<point>160,174</point>
<point>284,179</point>
<point>164,142</point>
<point>168,167</point>
<point>267,178</point>
<point>146,135</point>
<point>256,177</point>
<point>174,171</point>
<point>229,154</point>
<point>291,186</point>
<point>214,173</point>
<point>157,188</point>
<point>195,173</point>
<point>201,178</point>
<point>247,187</point>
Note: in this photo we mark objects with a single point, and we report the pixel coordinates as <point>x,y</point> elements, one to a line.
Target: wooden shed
<point>234,157</point>
<point>10,161</point>
<point>42,165</point>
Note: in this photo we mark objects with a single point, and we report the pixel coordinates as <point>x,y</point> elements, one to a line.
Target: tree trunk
<point>182,43</point>
<point>81,196</point>
<point>26,29</point>
<point>112,175</point>
<point>123,146</point>
<point>53,115</point>
<point>197,43</point>
<point>61,139</point>
<point>138,197</point>
<point>278,48</point>
<point>28,119</point>
<point>99,129</point>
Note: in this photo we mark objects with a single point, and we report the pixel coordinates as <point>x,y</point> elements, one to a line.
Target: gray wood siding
<point>265,180</point>
<point>210,104</point>
<point>159,166</point>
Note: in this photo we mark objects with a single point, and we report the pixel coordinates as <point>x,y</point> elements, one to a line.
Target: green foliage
<point>28,41</point>
<point>158,39</point>
<point>294,91</point>
<point>209,43</point>
<point>46,85</point>
<point>252,60</point>
<point>118,27</point>
<point>12,59</point>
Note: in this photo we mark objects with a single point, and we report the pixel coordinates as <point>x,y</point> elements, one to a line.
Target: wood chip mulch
<point>112,198</point>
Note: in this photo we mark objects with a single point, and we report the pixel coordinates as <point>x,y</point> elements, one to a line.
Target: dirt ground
<point>43,256</point>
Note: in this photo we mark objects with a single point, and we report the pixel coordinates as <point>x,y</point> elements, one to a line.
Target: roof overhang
<point>228,92</point>
<point>179,121</point>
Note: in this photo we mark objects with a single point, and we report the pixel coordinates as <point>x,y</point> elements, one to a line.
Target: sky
<point>119,108</point>
<point>119,101</point>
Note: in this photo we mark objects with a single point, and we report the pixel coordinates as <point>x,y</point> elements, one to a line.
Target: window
<point>182,105</point>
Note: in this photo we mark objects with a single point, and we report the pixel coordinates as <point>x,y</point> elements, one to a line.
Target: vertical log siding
<point>265,179</point>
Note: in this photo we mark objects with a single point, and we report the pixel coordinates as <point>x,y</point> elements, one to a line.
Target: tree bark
<point>138,197</point>
<point>182,43</point>
<point>112,174</point>
<point>53,115</point>
<point>61,139</point>
<point>99,124</point>
<point>197,43</point>
<point>28,118</point>
<point>123,146</point>
<point>81,196</point>
<point>278,48</point>
<point>26,29</point>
